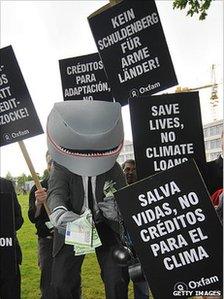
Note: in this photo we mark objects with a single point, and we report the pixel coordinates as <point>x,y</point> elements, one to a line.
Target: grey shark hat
<point>86,137</point>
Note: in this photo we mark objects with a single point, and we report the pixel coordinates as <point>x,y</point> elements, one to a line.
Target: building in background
<point>212,138</point>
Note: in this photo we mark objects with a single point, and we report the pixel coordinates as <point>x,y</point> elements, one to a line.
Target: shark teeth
<point>91,155</point>
<point>65,151</point>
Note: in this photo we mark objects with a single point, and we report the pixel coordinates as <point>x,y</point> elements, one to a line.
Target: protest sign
<point>133,48</point>
<point>175,231</point>
<point>18,118</point>
<point>167,130</point>
<point>7,236</point>
<point>83,78</point>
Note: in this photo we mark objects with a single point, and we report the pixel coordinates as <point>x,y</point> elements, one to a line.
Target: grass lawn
<point>91,281</point>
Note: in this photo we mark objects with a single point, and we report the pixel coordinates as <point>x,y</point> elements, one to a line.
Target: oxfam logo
<point>180,286</point>
<point>7,137</point>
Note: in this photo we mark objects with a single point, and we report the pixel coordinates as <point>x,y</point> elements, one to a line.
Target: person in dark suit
<point>214,181</point>
<point>214,175</point>
<point>212,172</point>
<point>69,195</point>
<point>10,287</point>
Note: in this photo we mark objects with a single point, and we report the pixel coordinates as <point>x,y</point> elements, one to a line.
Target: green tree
<point>21,181</point>
<point>9,176</point>
<point>193,7</point>
<point>29,178</point>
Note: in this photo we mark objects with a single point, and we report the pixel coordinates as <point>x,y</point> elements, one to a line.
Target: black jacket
<point>66,189</point>
<point>213,175</point>
<point>6,186</point>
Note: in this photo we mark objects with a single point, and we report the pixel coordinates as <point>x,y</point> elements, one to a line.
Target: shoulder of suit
<point>62,170</point>
<point>218,160</point>
<point>117,166</point>
<point>6,184</point>
<point>115,169</point>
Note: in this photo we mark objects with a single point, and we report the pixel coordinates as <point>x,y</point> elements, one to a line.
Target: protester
<point>219,208</point>
<point>212,172</point>
<point>38,215</point>
<point>66,189</point>
<point>217,201</point>
<point>129,170</point>
<point>141,289</point>
<point>10,287</point>
<point>213,176</point>
<point>84,140</point>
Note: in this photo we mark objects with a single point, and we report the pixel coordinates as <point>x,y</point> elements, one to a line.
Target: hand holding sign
<point>41,196</point>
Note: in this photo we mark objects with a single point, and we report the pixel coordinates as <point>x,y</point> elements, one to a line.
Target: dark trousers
<point>45,263</point>
<point>141,290</point>
<point>66,274</point>
<point>10,286</point>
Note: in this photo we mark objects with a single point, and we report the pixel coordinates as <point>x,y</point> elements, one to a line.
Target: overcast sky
<point>42,32</point>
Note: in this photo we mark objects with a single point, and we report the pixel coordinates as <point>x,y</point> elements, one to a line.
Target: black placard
<point>18,118</point>
<point>133,48</point>
<point>7,236</point>
<point>84,78</point>
<point>175,231</point>
<point>167,130</point>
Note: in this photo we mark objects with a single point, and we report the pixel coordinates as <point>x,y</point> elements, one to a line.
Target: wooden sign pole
<point>105,7</point>
<point>114,2</point>
<point>32,170</point>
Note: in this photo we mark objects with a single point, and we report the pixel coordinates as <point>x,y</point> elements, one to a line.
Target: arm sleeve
<point>58,199</point>
<point>17,209</point>
<point>58,188</point>
<point>32,206</point>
